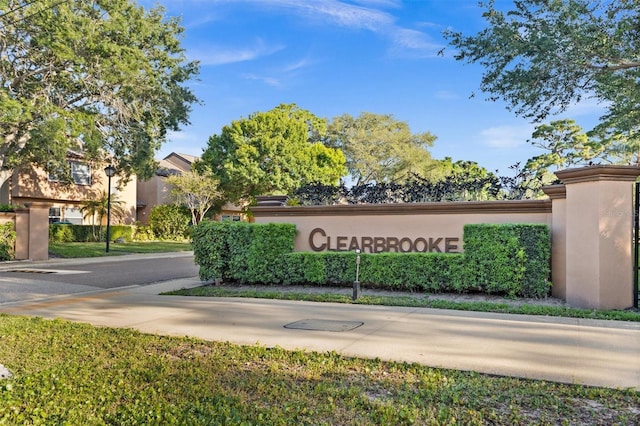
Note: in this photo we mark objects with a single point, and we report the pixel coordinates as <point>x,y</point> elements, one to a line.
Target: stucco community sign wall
<point>590,217</point>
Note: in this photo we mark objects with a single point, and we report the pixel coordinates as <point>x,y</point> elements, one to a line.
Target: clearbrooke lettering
<point>319,240</point>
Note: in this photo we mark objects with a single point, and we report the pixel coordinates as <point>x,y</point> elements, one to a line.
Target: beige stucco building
<point>137,197</point>
<point>30,185</point>
<point>157,190</point>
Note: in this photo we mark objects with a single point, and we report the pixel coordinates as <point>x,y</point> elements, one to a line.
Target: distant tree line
<point>454,187</point>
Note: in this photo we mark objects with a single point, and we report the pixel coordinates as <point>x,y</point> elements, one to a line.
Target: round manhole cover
<point>324,325</point>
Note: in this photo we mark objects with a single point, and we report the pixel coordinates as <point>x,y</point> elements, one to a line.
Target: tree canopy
<point>105,77</point>
<point>545,55</point>
<point>380,148</point>
<point>272,152</point>
<point>565,145</point>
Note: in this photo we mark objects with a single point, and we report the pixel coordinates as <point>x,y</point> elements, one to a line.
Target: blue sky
<point>333,57</point>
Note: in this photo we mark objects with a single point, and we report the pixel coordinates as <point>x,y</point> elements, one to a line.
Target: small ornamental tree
<point>197,191</point>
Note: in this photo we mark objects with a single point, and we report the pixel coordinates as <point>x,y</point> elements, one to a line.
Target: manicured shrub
<point>239,251</point>
<point>88,233</point>
<point>170,221</point>
<point>430,272</point>
<point>60,233</point>
<point>120,231</point>
<point>210,250</point>
<point>324,268</point>
<point>7,241</point>
<point>215,249</point>
<point>142,233</point>
<point>268,243</point>
<point>500,259</point>
<point>510,259</point>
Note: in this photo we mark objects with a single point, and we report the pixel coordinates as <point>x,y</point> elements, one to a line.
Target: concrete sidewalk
<point>589,352</point>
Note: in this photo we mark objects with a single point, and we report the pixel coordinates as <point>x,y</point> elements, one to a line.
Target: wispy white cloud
<point>413,43</point>
<point>363,15</point>
<point>178,135</point>
<point>339,13</point>
<point>506,137</point>
<point>379,3</point>
<point>271,81</point>
<point>446,95</point>
<point>217,55</point>
<point>201,20</point>
<point>184,142</point>
<point>298,65</point>
<point>587,106</point>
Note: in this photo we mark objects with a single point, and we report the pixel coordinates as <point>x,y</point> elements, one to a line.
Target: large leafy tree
<point>544,55</point>
<point>380,148</point>
<point>106,77</point>
<point>272,152</point>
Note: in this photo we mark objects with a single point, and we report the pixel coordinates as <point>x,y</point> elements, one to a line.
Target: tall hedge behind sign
<point>510,259</point>
<point>505,259</point>
<point>239,251</point>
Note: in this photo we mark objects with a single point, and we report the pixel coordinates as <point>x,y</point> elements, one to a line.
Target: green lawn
<point>71,373</point>
<point>115,249</point>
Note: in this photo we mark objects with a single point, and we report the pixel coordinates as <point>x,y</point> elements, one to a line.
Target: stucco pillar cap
<point>555,191</point>
<point>599,172</point>
<point>272,200</point>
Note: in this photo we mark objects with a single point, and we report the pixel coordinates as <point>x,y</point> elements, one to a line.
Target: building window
<point>81,173</point>
<point>73,215</point>
<point>54,175</point>
<point>54,214</point>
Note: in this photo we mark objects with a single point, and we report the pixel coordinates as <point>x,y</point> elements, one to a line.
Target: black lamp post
<point>109,171</point>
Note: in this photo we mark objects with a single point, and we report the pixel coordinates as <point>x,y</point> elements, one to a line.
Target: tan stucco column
<point>38,231</point>
<point>558,196</point>
<point>599,233</point>
<point>22,234</point>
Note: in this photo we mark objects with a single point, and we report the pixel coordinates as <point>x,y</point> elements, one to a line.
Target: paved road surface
<point>31,280</point>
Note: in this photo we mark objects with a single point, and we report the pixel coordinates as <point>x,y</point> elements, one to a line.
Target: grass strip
<point>420,302</point>
<point>72,373</point>
<point>76,250</point>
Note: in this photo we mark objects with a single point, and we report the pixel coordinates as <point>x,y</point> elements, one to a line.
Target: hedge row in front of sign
<point>498,259</point>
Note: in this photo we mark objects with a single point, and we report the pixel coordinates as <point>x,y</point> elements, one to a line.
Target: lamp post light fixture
<point>109,171</point>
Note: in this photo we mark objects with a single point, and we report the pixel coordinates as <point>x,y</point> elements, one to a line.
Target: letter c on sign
<point>312,234</point>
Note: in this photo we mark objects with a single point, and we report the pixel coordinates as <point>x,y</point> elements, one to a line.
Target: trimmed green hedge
<point>428,272</point>
<point>512,260</point>
<point>239,251</point>
<point>88,233</point>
